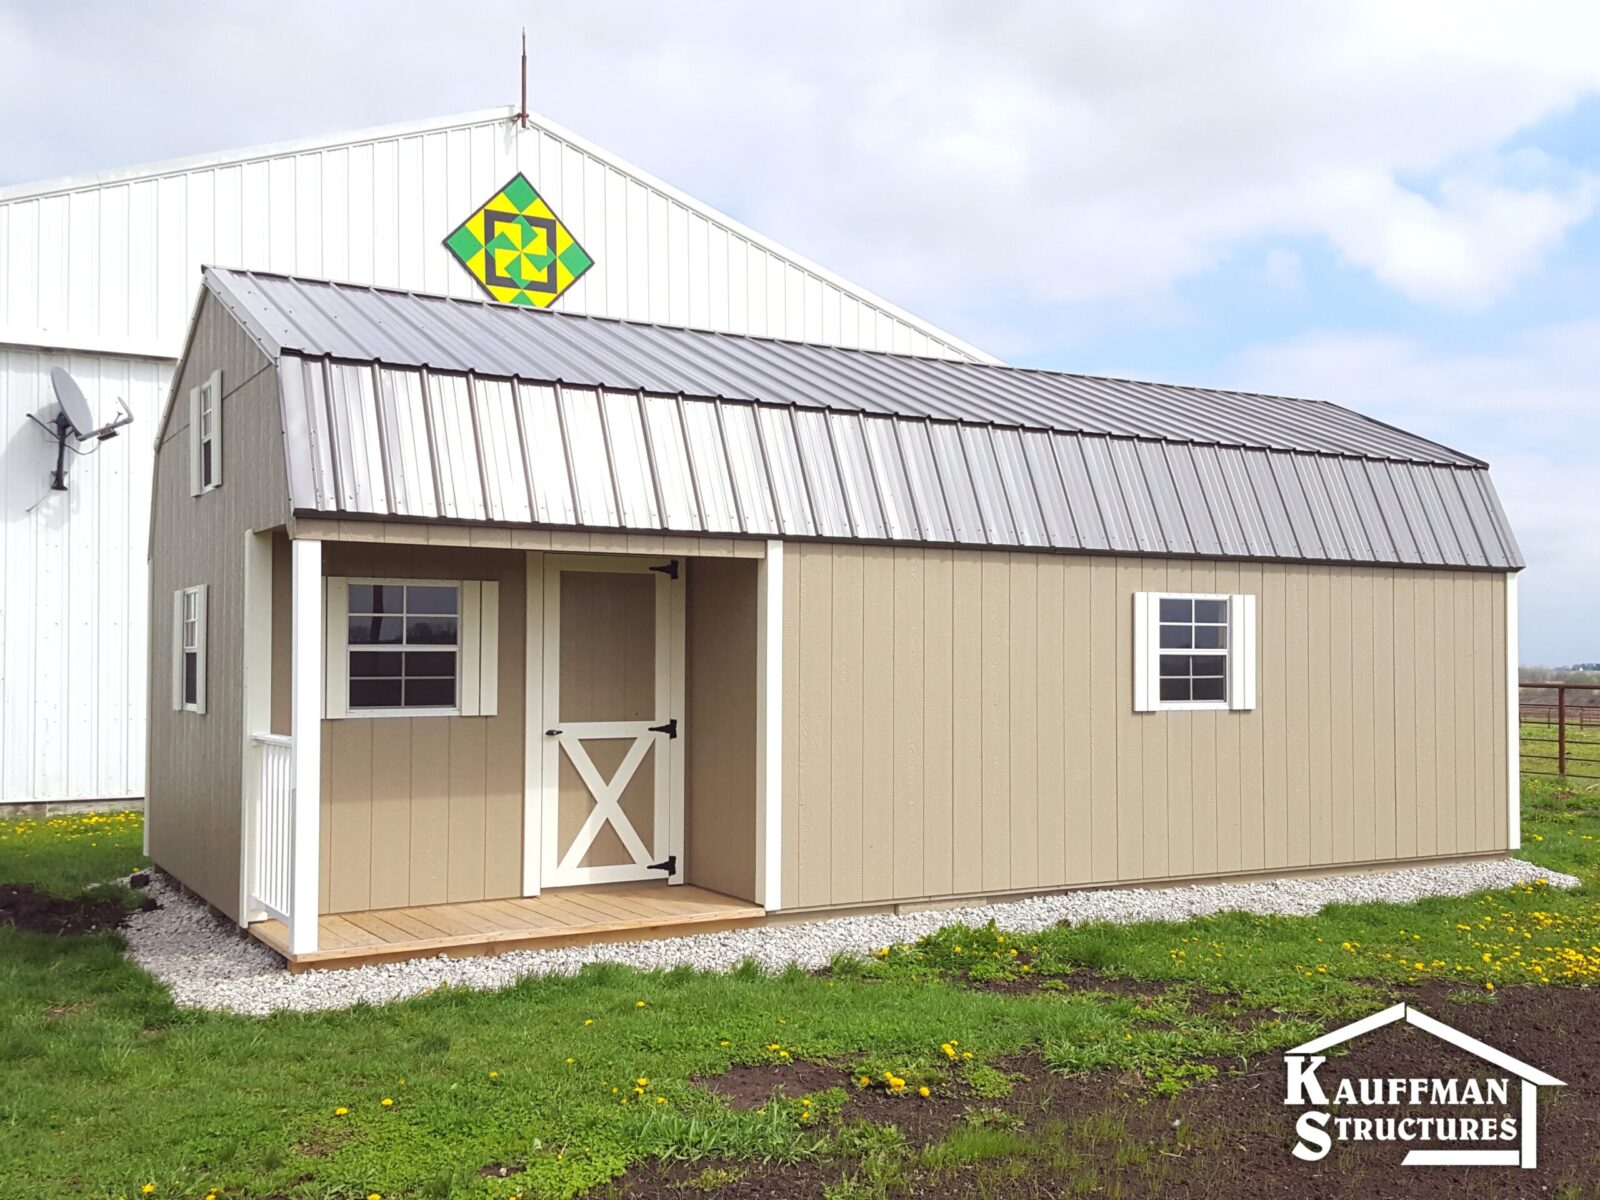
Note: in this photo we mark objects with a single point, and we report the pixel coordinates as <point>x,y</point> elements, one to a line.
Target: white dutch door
<point>613,662</point>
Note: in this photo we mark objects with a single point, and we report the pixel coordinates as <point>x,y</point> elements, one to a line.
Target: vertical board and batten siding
<point>72,583</point>
<point>194,759</point>
<point>424,810</point>
<point>961,723</point>
<point>719,726</point>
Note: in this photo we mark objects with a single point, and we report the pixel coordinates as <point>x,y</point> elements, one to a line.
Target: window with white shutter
<point>1193,651</point>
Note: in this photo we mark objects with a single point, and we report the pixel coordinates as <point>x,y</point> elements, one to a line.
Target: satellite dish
<point>74,405</point>
<point>75,419</point>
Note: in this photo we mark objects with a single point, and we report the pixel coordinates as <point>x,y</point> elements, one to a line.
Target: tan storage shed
<point>490,627</point>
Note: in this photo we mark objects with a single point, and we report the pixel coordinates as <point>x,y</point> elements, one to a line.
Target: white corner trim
<point>1513,719</point>
<point>769,728</point>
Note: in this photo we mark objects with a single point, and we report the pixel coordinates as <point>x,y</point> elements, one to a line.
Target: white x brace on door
<point>613,697</point>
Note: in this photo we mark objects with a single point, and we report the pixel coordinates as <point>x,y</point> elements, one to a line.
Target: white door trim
<point>533,729</point>
<point>546,744</point>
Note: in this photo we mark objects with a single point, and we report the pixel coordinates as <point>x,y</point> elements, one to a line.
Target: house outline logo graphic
<point>1301,1063</point>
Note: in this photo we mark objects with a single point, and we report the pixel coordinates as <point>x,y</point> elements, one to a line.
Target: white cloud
<point>1082,155</point>
<point>1282,271</point>
<point>1529,407</point>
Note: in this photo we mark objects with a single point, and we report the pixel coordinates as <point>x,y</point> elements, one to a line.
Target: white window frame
<point>477,649</point>
<point>182,618</point>
<point>205,430</point>
<point>1240,673</point>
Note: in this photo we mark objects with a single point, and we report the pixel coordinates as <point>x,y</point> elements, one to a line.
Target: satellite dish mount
<point>75,419</point>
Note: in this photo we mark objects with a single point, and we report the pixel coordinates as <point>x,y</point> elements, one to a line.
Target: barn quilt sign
<point>517,248</point>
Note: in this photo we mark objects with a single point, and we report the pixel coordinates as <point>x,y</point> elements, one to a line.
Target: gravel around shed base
<point>207,964</point>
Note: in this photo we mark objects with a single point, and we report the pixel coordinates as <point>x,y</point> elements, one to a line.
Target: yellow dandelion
<point>341,1111</point>
<point>570,1061</point>
<point>661,1099</point>
<point>638,1003</point>
<point>387,1102</point>
<point>724,1042</point>
<point>496,1074</point>
<point>589,1021</point>
<point>147,1188</point>
<point>924,1092</point>
<point>643,1082</point>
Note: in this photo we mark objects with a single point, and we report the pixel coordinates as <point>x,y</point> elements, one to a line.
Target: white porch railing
<point>271,825</point>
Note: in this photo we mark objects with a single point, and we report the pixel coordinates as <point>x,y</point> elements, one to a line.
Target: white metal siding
<point>113,264</point>
<point>73,594</point>
<point>101,274</point>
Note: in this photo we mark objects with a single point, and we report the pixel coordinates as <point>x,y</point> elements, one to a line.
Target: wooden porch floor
<point>618,912</point>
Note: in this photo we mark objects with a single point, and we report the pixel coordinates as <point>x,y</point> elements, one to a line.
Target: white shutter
<point>478,671</point>
<point>194,441</point>
<point>1242,653</point>
<point>488,649</point>
<point>468,652</point>
<point>335,648</point>
<point>214,388</point>
<point>177,650</point>
<point>1144,657</point>
<point>200,639</point>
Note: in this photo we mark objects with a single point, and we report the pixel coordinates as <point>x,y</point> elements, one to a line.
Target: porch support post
<point>769,728</point>
<point>305,725</point>
<point>256,684</point>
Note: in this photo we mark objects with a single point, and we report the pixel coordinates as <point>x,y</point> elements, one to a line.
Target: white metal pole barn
<point>98,274</point>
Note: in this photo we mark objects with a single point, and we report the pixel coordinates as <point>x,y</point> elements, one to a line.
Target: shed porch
<point>574,916</point>
<point>596,775</point>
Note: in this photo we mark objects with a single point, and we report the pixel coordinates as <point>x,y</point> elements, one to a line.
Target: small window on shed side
<point>1193,652</point>
<point>189,649</point>
<point>205,435</point>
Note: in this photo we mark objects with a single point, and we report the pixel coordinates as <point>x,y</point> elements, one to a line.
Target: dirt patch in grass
<point>1229,1136</point>
<point>1078,981</point>
<point>35,911</point>
<point>751,1085</point>
<point>502,1170</point>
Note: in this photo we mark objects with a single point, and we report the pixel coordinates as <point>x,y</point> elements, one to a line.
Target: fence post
<point>1561,731</point>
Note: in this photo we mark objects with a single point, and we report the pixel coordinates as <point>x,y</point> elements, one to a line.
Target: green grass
<point>108,1086</point>
<point>65,854</point>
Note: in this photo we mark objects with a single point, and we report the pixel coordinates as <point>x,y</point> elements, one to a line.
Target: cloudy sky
<point>1394,206</point>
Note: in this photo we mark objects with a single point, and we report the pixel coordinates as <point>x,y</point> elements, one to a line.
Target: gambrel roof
<point>399,405</point>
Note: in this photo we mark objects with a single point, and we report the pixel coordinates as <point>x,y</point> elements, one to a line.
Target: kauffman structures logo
<point>1483,1120</point>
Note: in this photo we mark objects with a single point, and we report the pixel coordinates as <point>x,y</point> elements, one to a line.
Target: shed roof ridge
<point>1442,455</point>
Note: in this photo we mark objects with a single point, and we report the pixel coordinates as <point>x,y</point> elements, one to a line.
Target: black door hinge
<point>670,728</point>
<point>670,866</point>
<point>670,570</point>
